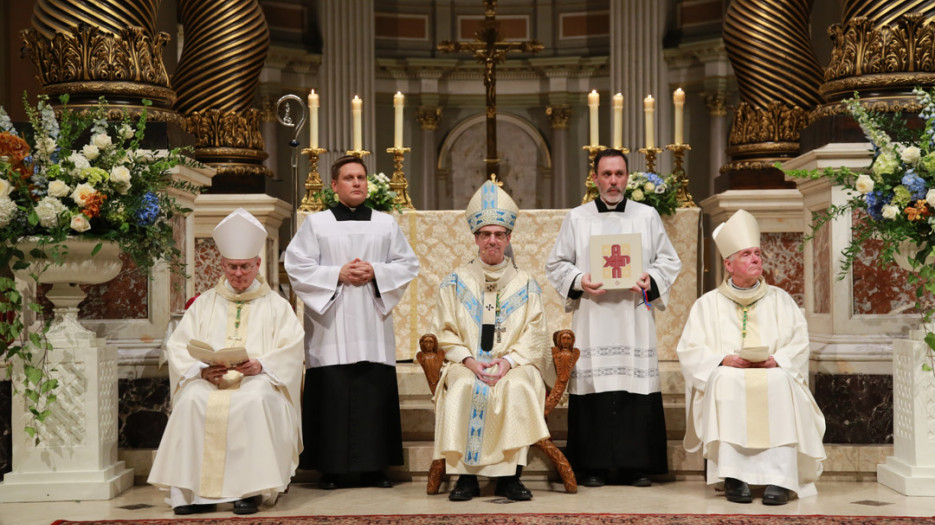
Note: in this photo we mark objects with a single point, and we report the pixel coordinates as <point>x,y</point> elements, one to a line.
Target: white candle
<point>678,99</point>
<point>313,119</point>
<point>594,100</point>
<point>398,104</point>
<point>356,106</point>
<point>649,108</point>
<point>618,121</point>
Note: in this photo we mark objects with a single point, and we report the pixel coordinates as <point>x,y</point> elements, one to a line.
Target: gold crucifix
<point>489,48</point>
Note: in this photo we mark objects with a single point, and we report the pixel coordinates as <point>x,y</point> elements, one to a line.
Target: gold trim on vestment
<point>757,386</point>
<point>214,452</point>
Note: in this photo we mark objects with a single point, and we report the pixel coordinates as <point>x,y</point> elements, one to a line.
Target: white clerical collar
<point>253,286</point>
<point>730,280</point>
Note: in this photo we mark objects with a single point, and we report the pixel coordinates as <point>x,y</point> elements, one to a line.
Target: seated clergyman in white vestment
<point>490,323</point>
<point>350,265</point>
<point>744,355</point>
<point>234,433</point>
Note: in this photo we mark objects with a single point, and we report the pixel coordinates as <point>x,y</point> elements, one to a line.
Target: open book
<point>229,357</point>
<point>755,354</point>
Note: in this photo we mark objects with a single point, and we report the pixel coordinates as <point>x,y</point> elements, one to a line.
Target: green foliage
<point>653,190</point>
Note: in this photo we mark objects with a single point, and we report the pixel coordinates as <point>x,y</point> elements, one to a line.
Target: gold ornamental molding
<point>428,117</point>
<point>889,58</point>
<point>229,141</point>
<point>777,123</point>
<point>559,115</point>
<point>751,165</point>
<point>907,104</point>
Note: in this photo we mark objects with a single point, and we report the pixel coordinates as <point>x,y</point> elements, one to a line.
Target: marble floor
<point>834,498</point>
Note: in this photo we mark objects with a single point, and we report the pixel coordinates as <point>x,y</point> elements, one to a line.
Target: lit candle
<point>678,98</point>
<point>313,119</point>
<point>649,108</point>
<point>594,100</point>
<point>618,121</point>
<point>356,106</point>
<point>398,104</point>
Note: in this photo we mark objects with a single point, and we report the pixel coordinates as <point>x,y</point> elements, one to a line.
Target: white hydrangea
<point>120,178</point>
<point>48,210</point>
<point>5,188</point>
<point>80,223</point>
<point>90,151</point>
<point>79,160</point>
<point>58,188</point>
<point>125,132</point>
<point>864,184</point>
<point>890,211</point>
<point>7,211</point>
<point>102,141</point>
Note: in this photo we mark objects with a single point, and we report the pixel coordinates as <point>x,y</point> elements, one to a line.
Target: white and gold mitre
<point>740,232</point>
<point>490,205</point>
<point>239,235</point>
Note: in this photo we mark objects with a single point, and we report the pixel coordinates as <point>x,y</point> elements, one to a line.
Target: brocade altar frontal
<point>442,241</point>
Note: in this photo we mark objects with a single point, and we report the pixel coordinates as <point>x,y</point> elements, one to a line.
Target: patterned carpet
<point>532,519</point>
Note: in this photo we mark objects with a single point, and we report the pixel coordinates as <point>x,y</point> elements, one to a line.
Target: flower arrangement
<point>894,200</point>
<point>653,190</point>
<point>379,195</point>
<point>76,175</point>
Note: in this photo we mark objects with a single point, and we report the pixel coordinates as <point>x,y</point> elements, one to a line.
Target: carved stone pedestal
<point>911,468</point>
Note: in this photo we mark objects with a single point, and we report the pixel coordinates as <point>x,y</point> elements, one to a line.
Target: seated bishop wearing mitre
<point>490,323</point>
<point>744,355</point>
<point>233,435</point>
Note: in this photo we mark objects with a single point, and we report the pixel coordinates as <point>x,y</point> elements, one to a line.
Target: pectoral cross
<point>498,329</point>
<point>490,49</point>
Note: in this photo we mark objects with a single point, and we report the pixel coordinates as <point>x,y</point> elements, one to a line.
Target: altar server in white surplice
<point>615,415</point>
<point>756,419</point>
<point>350,265</point>
<point>490,323</point>
<point>233,435</point>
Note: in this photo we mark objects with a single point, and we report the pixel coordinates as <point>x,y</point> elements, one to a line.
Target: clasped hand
<point>488,373</point>
<point>356,273</point>
<point>214,373</point>
<point>594,288</point>
<point>736,361</point>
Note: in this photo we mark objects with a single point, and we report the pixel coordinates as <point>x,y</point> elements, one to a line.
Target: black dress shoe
<point>247,505</point>
<point>465,489</point>
<point>328,481</point>
<point>195,509</point>
<point>773,495</point>
<point>641,481</point>
<point>376,479</point>
<point>512,488</point>
<point>737,491</point>
<point>591,478</point>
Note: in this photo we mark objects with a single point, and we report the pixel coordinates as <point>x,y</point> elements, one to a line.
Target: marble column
<point>562,187</point>
<point>347,69</point>
<point>716,104</point>
<point>428,117</point>
<point>637,69</point>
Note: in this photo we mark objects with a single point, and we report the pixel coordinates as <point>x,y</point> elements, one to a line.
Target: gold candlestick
<point>650,154</point>
<point>398,183</point>
<point>359,153</point>
<point>590,190</point>
<point>313,184</point>
<point>683,196</point>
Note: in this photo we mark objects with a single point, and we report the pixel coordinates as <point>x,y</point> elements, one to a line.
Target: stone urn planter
<point>76,458</point>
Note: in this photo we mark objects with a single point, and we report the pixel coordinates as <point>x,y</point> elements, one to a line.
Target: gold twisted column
<point>778,75</point>
<point>226,42</point>
<point>109,48</point>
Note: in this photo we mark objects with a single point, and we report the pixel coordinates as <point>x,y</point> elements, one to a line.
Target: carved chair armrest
<point>431,360</point>
<point>564,355</point>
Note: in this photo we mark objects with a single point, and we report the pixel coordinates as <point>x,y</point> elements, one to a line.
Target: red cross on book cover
<point>616,260</point>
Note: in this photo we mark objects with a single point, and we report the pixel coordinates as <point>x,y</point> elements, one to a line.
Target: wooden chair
<point>564,355</point>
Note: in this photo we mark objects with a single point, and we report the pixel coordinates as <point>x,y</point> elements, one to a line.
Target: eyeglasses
<point>245,268</point>
<point>500,236</point>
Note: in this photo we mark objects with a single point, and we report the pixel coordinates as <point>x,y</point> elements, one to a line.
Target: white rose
<point>911,155</point>
<point>637,195</point>
<point>930,198</point>
<point>80,223</point>
<point>45,146</point>
<point>125,132</point>
<point>120,177</point>
<point>79,160</point>
<point>890,211</point>
<point>83,192</point>
<point>58,188</point>
<point>649,186</point>
<point>102,141</point>
<point>91,152</point>
<point>864,184</point>
<point>48,210</point>
<point>5,188</point>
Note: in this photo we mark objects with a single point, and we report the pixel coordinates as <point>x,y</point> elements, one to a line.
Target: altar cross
<point>490,48</point>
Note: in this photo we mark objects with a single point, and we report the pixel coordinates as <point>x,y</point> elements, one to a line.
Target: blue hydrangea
<point>875,202</point>
<point>915,184</point>
<point>149,210</point>
<point>655,179</point>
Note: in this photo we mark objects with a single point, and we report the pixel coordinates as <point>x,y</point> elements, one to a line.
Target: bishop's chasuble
<point>760,425</point>
<point>242,438</point>
<point>616,417</point>
<point>351,420</point>
<point>481,429</point>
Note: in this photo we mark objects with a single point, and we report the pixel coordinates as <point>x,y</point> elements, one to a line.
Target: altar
<point>442,241</point>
